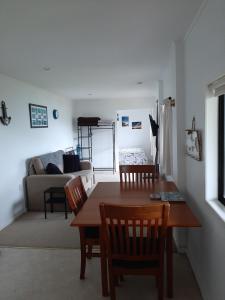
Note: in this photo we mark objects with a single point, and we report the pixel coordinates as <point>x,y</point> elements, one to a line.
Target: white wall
<point>135,138</point>
<point>106,109</point>
<point>18,141</point>
<point>173,86</point>
<point>204,62</point>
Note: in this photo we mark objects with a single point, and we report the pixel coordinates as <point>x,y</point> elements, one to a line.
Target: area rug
<point>32,230</point>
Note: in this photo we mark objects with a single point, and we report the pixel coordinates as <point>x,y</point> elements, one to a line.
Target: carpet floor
<point>32,230</point>
<point>53,274</point>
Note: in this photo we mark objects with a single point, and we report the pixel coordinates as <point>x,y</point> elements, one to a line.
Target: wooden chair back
<point>137,173</point>
<point>135,233</point>
<point>75,194</point>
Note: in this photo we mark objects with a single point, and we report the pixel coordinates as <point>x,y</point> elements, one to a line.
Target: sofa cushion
<point>52,169</point>
<point>71,163</point>
<point>55,158</point>
<point>38,166</point>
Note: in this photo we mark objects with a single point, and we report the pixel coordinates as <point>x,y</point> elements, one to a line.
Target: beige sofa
<point>38,181</point>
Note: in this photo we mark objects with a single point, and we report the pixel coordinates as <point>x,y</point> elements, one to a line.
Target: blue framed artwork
<point>125,121</point>
<point>38,116</point>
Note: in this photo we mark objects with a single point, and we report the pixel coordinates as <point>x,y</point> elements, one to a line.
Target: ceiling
<point>94,48</point>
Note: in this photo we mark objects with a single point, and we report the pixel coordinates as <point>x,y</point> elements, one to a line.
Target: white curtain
<point>165,138</point>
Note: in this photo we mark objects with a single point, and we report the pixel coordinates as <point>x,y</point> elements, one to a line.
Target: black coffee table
<point>54,195</point>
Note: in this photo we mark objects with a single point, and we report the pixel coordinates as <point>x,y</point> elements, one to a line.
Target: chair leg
<point>45,210</point>
<point>116,280</point>
<point>157,282</point>
<point>65,210</point>
<point>160,287</point>
<point>83,260</point>
<point>89,253</point>
<point>112,286</point>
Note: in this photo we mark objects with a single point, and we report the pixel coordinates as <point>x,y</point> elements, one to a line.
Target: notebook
<point>167,196</point>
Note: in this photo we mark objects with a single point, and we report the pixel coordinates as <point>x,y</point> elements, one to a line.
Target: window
<point>221,152</point>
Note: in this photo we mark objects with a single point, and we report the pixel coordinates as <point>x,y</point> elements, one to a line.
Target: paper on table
<point>155,196</point>
<point>171,196</point>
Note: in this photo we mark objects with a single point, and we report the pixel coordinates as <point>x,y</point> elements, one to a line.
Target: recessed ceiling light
<point>140,82</point>
<point>46,69</point>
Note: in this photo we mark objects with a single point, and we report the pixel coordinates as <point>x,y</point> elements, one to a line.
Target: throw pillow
<point>52,169</point>
<point>71,163</point>
<point>38,166</point>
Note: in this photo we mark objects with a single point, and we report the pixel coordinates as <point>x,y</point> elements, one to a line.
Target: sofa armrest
<point>86,165</point>
<point>37,184</point>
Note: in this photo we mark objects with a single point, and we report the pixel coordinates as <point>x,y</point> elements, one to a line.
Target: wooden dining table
<point>136,194</point>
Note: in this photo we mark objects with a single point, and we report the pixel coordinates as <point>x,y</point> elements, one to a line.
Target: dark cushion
<point>128,264</point>
<point>52,169</point>
<point>71,163</point>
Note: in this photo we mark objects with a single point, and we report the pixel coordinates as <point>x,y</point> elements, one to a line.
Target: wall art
<point>193,142</point>
<point>136,125</point>
<point>125,121</point>
<point>38,116</point>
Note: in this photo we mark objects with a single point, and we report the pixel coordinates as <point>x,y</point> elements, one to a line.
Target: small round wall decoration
<point>55,114</point>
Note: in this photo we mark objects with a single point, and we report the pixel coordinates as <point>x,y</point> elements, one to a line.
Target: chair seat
<point>91,232</point>
<point>127,264</point>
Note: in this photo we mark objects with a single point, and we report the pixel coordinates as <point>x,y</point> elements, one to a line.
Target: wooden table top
<point>132,194</point>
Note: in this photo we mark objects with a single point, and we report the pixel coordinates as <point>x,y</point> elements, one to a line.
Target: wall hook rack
<point>4,119</point>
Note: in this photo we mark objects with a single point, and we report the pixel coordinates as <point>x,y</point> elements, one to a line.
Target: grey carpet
<point>32,230</point>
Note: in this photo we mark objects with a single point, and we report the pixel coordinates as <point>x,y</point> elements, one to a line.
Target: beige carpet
<point>43,274</point>
<point>32,230</point>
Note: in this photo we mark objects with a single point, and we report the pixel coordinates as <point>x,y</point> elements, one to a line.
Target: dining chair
<point>134,239</point>
<point>137,173</point>
<point>89,236</point>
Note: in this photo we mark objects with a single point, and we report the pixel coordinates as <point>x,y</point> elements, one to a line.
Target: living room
<point>192,60</point>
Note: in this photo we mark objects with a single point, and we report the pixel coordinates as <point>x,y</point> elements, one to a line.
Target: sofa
<point>38,181</point>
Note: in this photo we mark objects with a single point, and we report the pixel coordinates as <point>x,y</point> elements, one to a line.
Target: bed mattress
<point>132,156</point>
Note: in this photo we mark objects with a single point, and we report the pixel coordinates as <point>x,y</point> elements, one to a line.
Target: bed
<point>132,156</point>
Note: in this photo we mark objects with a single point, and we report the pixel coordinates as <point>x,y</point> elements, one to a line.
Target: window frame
<point>221,154</point>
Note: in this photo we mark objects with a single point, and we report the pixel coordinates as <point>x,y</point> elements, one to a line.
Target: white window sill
<point>218,207</point>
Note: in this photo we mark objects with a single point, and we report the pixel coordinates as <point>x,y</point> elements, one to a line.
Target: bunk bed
<point>86,128</point>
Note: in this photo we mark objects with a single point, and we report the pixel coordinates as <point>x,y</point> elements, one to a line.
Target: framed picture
<point>38,116</point>
<point>125,121</point>
<point>136,125</point>
<point>193,143</point>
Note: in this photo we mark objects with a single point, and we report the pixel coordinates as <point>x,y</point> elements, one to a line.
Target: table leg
<point>45,208</point>
<point>169,261</point>
<point>52,207</point>
<point>104,275</point>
